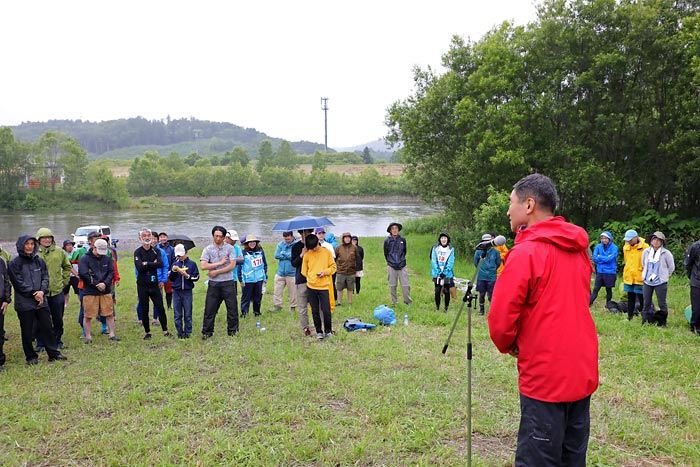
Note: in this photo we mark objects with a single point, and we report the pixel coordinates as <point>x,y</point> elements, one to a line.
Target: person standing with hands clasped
<point>540,315</point>
<point>395,256</point>
<point>442,260</point>
<point>605,258</point>
<point>658,266</point>
<point>183,275</point>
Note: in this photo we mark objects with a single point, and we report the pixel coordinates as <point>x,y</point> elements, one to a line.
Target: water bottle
<point>405,319</point>
<point>257,325</point>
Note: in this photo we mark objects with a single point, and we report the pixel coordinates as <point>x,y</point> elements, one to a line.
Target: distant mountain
<point>378,145</point>
<point>127,138</point>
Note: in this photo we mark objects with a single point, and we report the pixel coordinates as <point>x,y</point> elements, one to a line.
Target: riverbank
<point>291,199</point>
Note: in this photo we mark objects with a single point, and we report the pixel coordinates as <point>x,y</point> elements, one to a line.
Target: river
<point>196,217</point>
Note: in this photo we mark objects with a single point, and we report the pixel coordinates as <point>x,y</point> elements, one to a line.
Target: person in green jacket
<point>59,269</point>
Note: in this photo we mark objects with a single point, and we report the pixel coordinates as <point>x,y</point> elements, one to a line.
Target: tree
<point>285,156</point>
<point>366,156</point>
<point>14,160</point>
<point>598,94</point>
<point>318,162</point>
<point>265,155</point>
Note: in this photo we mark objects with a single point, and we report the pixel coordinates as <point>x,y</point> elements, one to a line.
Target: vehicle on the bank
<point>81,233</point>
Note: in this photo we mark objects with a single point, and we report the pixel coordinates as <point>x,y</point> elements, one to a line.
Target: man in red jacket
<point>540,315</point>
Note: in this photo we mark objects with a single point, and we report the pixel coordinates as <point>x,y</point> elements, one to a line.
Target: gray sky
<point>258,64</point>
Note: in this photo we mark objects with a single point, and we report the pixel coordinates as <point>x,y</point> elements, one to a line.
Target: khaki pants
<point>280,283</point>
<point>303,305</point>
<point>394,277</point>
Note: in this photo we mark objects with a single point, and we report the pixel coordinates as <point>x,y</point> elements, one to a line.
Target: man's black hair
<point>311,241</point>
<point>220,229</point>
<point>540,188</point>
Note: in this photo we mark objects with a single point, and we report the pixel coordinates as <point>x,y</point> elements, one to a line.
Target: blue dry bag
<point>385,315</point>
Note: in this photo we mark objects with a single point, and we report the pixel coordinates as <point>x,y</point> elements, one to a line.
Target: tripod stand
<point>469,298</point>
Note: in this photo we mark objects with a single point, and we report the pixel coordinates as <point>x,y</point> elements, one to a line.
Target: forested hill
<point>126,138</point>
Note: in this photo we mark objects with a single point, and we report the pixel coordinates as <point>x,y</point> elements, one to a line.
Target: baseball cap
<point>180,249</point>
<point>320,230</point>
<point>101,246</point>
<point>94,234</point>
<point>232,234</point>
<point>67,242</point>
<point>630,234</point>
<point>659,235</point>
<point>486,238</point>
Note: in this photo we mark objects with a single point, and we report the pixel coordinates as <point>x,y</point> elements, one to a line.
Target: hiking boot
<point>33,361</point>
<point>148,336</point>
<point>58,357</point>
<point>307,331</point>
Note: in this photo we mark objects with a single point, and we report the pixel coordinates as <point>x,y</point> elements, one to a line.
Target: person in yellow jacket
<point>502,250</point>
<point>318,267</point>
<point>632,274</point>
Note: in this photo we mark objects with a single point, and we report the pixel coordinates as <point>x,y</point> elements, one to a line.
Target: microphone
<point>498,241</point>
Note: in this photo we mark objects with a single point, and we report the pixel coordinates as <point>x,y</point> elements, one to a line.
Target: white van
<point>81,233</point>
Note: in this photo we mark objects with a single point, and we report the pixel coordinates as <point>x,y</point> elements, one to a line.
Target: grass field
<point>387,397</point>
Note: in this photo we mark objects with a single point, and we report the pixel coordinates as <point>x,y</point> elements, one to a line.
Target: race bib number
<point>256,262</point>
<point>441,258</point>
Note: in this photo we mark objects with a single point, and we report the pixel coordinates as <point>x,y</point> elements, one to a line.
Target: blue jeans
<point>182,307</point>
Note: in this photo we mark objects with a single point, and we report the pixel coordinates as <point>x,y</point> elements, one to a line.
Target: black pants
<point>153,294</point>
<point>553,434</point>
<point>42,316</point>
<point>695,304</point>
<point>2,338</point>
<point>660,316</point>
<point>439,291</point>
<point>218,292</point>
<point>632,302</point>
<point>320,302</point>
<point>57,307</point>
<point>357,284</point>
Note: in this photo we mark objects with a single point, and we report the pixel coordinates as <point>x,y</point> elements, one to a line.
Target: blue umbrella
<point>300,223</point>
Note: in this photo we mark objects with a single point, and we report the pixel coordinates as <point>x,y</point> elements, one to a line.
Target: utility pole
<point>324,107</point>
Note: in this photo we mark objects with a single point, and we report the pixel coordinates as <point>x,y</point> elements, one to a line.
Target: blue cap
<point>607,234</point>
<point>630,234</point>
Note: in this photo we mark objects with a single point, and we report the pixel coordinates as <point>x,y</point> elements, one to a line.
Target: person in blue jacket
<point>183,274</point>
<point>442,260</point>
<point>605,258</point>
<point>486,280</point>
<point>285,273</point>
<point>252,275</point>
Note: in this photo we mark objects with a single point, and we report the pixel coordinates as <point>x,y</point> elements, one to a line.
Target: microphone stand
<point>469,298</point>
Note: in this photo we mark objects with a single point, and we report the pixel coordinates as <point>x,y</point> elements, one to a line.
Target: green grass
<point>387,397</point>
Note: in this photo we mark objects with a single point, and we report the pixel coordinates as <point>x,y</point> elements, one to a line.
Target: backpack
<point>353,324</point>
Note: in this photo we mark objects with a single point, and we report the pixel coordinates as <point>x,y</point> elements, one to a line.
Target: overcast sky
<point>258,64</point>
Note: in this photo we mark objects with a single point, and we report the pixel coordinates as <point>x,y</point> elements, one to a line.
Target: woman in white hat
<point>658,266</point>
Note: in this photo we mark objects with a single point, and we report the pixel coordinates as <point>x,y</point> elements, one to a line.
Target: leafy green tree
<point>285,156</point>
<point>238,154</point>
<point>192,159</point>
<point>598,94</point>
<point>13,165</point>
<point>265,155</point>
<point>318,162</point>
<point>366,156</point>
<point>56,153</point>
<point>103,186</point>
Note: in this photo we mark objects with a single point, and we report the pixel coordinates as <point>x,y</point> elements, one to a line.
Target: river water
<point>195,218</point>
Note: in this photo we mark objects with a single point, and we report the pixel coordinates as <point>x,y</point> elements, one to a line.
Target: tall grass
<point>387,397</point>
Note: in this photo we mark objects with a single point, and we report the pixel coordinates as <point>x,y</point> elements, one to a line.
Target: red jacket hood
<point>556,231</point>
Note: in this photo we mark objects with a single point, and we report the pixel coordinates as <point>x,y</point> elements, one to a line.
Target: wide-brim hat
<point>347,234</point>
<point>251,238</point>
<point>388,229</point>
<point>486,237</point>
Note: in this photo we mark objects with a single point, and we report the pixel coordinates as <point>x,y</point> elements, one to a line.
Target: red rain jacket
<point>540,307</point>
